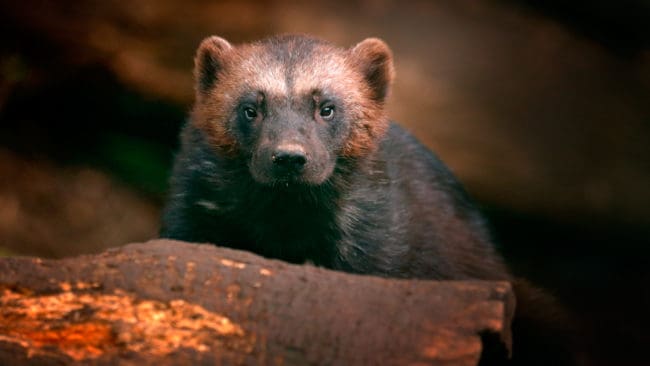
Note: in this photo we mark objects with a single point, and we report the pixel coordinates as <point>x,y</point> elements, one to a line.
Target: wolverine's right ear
<point>209,61</point>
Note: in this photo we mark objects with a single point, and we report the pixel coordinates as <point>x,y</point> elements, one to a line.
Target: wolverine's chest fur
<point>294,223</point>
<point>328,224</point>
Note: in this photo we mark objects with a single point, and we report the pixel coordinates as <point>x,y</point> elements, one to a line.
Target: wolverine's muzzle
<point>289,159</point>
<point>286,162</point>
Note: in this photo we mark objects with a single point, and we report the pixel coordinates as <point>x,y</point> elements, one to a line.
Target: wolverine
<point>289,153</point>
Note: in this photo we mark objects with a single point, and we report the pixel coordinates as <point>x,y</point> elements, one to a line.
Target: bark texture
<point>166,302</point>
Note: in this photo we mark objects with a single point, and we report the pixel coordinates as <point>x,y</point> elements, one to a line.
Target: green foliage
<point>137,162</point>
<point>4,252</point>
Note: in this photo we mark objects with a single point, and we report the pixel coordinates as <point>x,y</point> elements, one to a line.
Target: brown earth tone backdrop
<point>541,108</point>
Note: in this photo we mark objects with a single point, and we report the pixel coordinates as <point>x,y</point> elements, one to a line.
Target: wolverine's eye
<point>327,112</point>
<point>250,113</point>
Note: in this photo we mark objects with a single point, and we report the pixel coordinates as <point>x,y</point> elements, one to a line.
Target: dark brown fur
<point>360,195</point>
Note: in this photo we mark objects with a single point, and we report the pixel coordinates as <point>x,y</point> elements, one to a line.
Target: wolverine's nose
<point>291,158</point>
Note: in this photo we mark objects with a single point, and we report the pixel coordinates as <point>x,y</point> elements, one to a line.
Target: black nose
<point>290,160</point>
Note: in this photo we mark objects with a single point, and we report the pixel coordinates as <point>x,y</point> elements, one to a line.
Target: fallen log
<point>166,302</point>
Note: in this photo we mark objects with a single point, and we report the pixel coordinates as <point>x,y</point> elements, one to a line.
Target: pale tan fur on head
<point>360,76</point>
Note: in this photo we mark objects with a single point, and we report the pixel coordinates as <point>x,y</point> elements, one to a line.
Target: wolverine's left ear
<point>374,59</point>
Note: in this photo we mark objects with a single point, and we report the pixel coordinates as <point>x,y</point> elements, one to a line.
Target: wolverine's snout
<point>285,162</point>
<point>289,159</point>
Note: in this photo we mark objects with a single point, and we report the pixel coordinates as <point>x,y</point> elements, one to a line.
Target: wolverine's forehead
<point>291,68</point>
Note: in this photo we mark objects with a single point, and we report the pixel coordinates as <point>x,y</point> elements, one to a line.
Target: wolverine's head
<point>292,105</point>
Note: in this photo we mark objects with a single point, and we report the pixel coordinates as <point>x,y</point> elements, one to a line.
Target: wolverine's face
<point>290,138</point>
<point>292,106</point>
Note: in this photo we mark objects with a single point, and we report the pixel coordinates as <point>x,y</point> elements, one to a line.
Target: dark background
<point>542,108</point>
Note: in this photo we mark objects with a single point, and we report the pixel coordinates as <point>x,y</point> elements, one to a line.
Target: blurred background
<point>542,109</point>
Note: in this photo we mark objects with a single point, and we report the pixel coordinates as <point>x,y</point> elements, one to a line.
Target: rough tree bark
<point>166,302</point>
